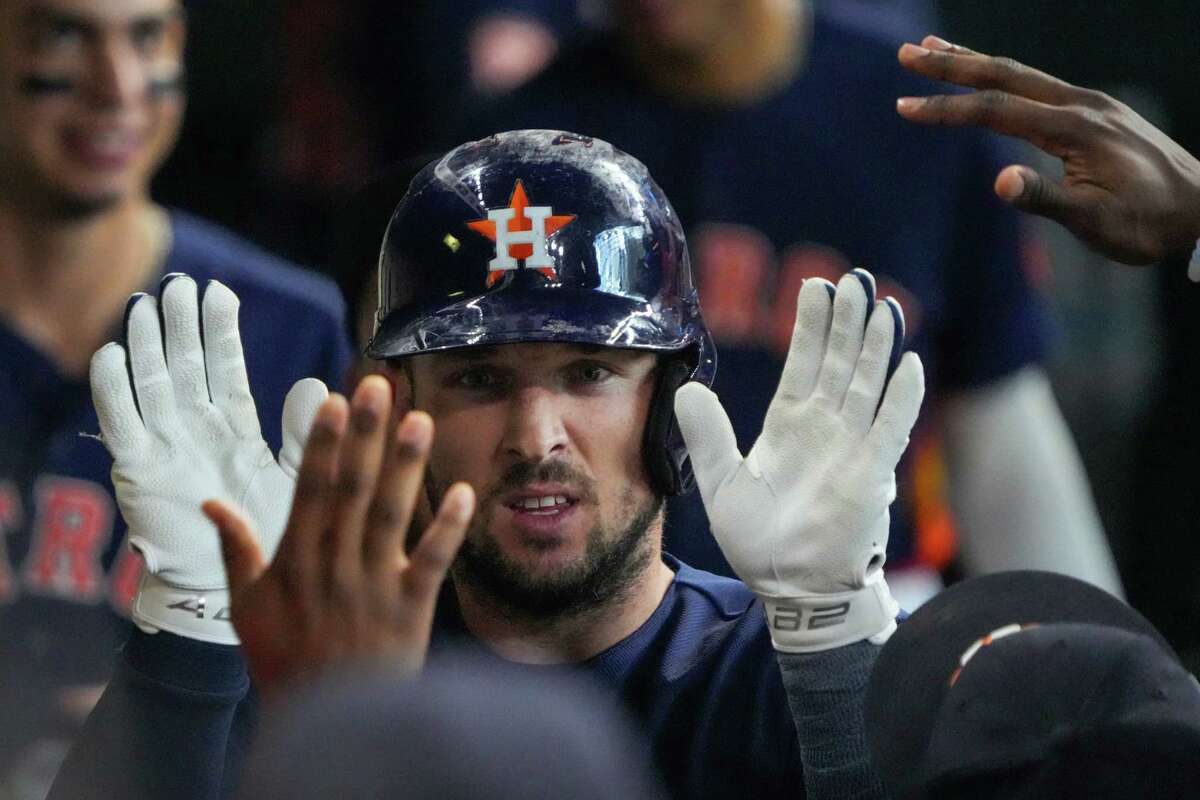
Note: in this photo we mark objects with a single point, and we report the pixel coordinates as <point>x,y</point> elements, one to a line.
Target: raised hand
<point>1128,190</point>
<point>803,519</point>
<point>342,588</point>
<point>178,418</point>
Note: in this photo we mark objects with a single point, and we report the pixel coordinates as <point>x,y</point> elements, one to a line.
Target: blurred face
<point>681,27</point>
<point>90,98</point>
<point>550,436</point>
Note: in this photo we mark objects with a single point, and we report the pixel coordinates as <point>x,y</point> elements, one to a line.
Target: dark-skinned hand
<point>1128,190</point>
<point>341,587</point>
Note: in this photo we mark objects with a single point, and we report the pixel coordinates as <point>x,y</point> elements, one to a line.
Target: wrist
<point>812,623</point>
<point>202,615</point>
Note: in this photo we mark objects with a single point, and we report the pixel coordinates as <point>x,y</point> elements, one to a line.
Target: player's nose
<point>534,427</point>
<point>118,74</point>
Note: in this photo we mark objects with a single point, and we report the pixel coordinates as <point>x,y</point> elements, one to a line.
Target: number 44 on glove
<point>803,518</point>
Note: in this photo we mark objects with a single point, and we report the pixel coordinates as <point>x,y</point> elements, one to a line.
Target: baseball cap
<point>1032,684</point>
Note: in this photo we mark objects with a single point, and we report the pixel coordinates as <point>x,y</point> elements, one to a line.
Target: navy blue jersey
<point>818,177</point>
<point>700,675</point>
<point>66,581</point>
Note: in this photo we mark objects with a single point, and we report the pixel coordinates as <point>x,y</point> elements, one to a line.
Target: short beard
<point>607,572</point>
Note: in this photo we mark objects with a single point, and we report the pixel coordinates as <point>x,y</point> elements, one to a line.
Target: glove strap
<point>825,621</point>
<point>191,613</point>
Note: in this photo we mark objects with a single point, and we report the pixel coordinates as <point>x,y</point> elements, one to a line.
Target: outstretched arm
<point>803,518</point>
<point>1128,190</point>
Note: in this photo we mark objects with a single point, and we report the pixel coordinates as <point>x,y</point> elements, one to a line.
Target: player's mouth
<point>103,148</point>
<point>541,508</point>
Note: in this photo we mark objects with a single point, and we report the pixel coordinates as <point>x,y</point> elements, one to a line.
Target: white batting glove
<point>192,435</point>
<point>803,519</point>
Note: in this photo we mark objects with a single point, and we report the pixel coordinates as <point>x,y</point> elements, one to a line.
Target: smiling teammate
<point>91,97</point>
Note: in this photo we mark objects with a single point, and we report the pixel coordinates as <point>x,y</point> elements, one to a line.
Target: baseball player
<point>91,97</point>
<point>770,124</point>
<point>541,330</point>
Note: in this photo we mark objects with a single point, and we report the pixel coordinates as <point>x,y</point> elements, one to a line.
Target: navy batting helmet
<point>546,236</point>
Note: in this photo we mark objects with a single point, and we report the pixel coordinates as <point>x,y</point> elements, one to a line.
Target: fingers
<point>396,494</point>
<point>181,327</point>
<point>152,384</point>
<point>967,68</point>
<point>898,413</point>
<point>359,460</point>
<point>120,424</point>
<point>854,297</point>
<point>1045,126</point>
<point>299,555</point>
<point>225,362</point>
<point>438,546</point>
<point>708,434</point>
<point>870,373</point>
<point>814,310</point>
<point>1029,191</point>
<point>239,548</point>
<point>299,408</point>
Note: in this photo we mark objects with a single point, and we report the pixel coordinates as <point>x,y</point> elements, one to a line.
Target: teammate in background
<point>91,96</point>
<point>1128,191</point>
<point>772,128</point>
<point>536,305</point>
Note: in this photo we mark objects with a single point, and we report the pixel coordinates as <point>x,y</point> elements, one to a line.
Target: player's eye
<point>477,379</point>
<point>148,34</point>
<point>57,35</point>
<point>590,372</point>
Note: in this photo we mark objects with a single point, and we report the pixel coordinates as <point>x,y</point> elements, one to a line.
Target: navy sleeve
<point>163,726</point>
<point>826,691</point>
<point>996,319</point>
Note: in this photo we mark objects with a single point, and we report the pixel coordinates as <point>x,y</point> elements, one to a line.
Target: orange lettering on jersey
<point>72,527</point>
<point>10,518</point>
<point>520,232</point>
<point>733,266</point>
<point>799,262</point>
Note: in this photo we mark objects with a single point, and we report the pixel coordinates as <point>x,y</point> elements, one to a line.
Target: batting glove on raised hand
<point>803,519</point>
<point>182,428</point>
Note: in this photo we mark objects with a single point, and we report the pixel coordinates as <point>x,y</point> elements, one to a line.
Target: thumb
<point>299,408</point>
<point>239,550</point>
<point>1030,191</point>
<point>708,435</point>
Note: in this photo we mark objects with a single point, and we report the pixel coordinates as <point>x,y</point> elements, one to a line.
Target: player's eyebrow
<point>488,352</point>
<point>472,354</point>
<point>44,15</point>
<point>47,15</point>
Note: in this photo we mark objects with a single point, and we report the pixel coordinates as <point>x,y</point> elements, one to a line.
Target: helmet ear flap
<point>662,447</point>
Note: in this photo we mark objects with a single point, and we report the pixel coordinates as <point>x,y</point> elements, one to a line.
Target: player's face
<point>550,436</point>
<point>90,98</point>
<point>682,27</point>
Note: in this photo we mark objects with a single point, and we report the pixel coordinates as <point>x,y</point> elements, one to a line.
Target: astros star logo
<point>520,232</point>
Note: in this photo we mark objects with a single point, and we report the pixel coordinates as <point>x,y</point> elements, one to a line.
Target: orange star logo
<point>520,232</point>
